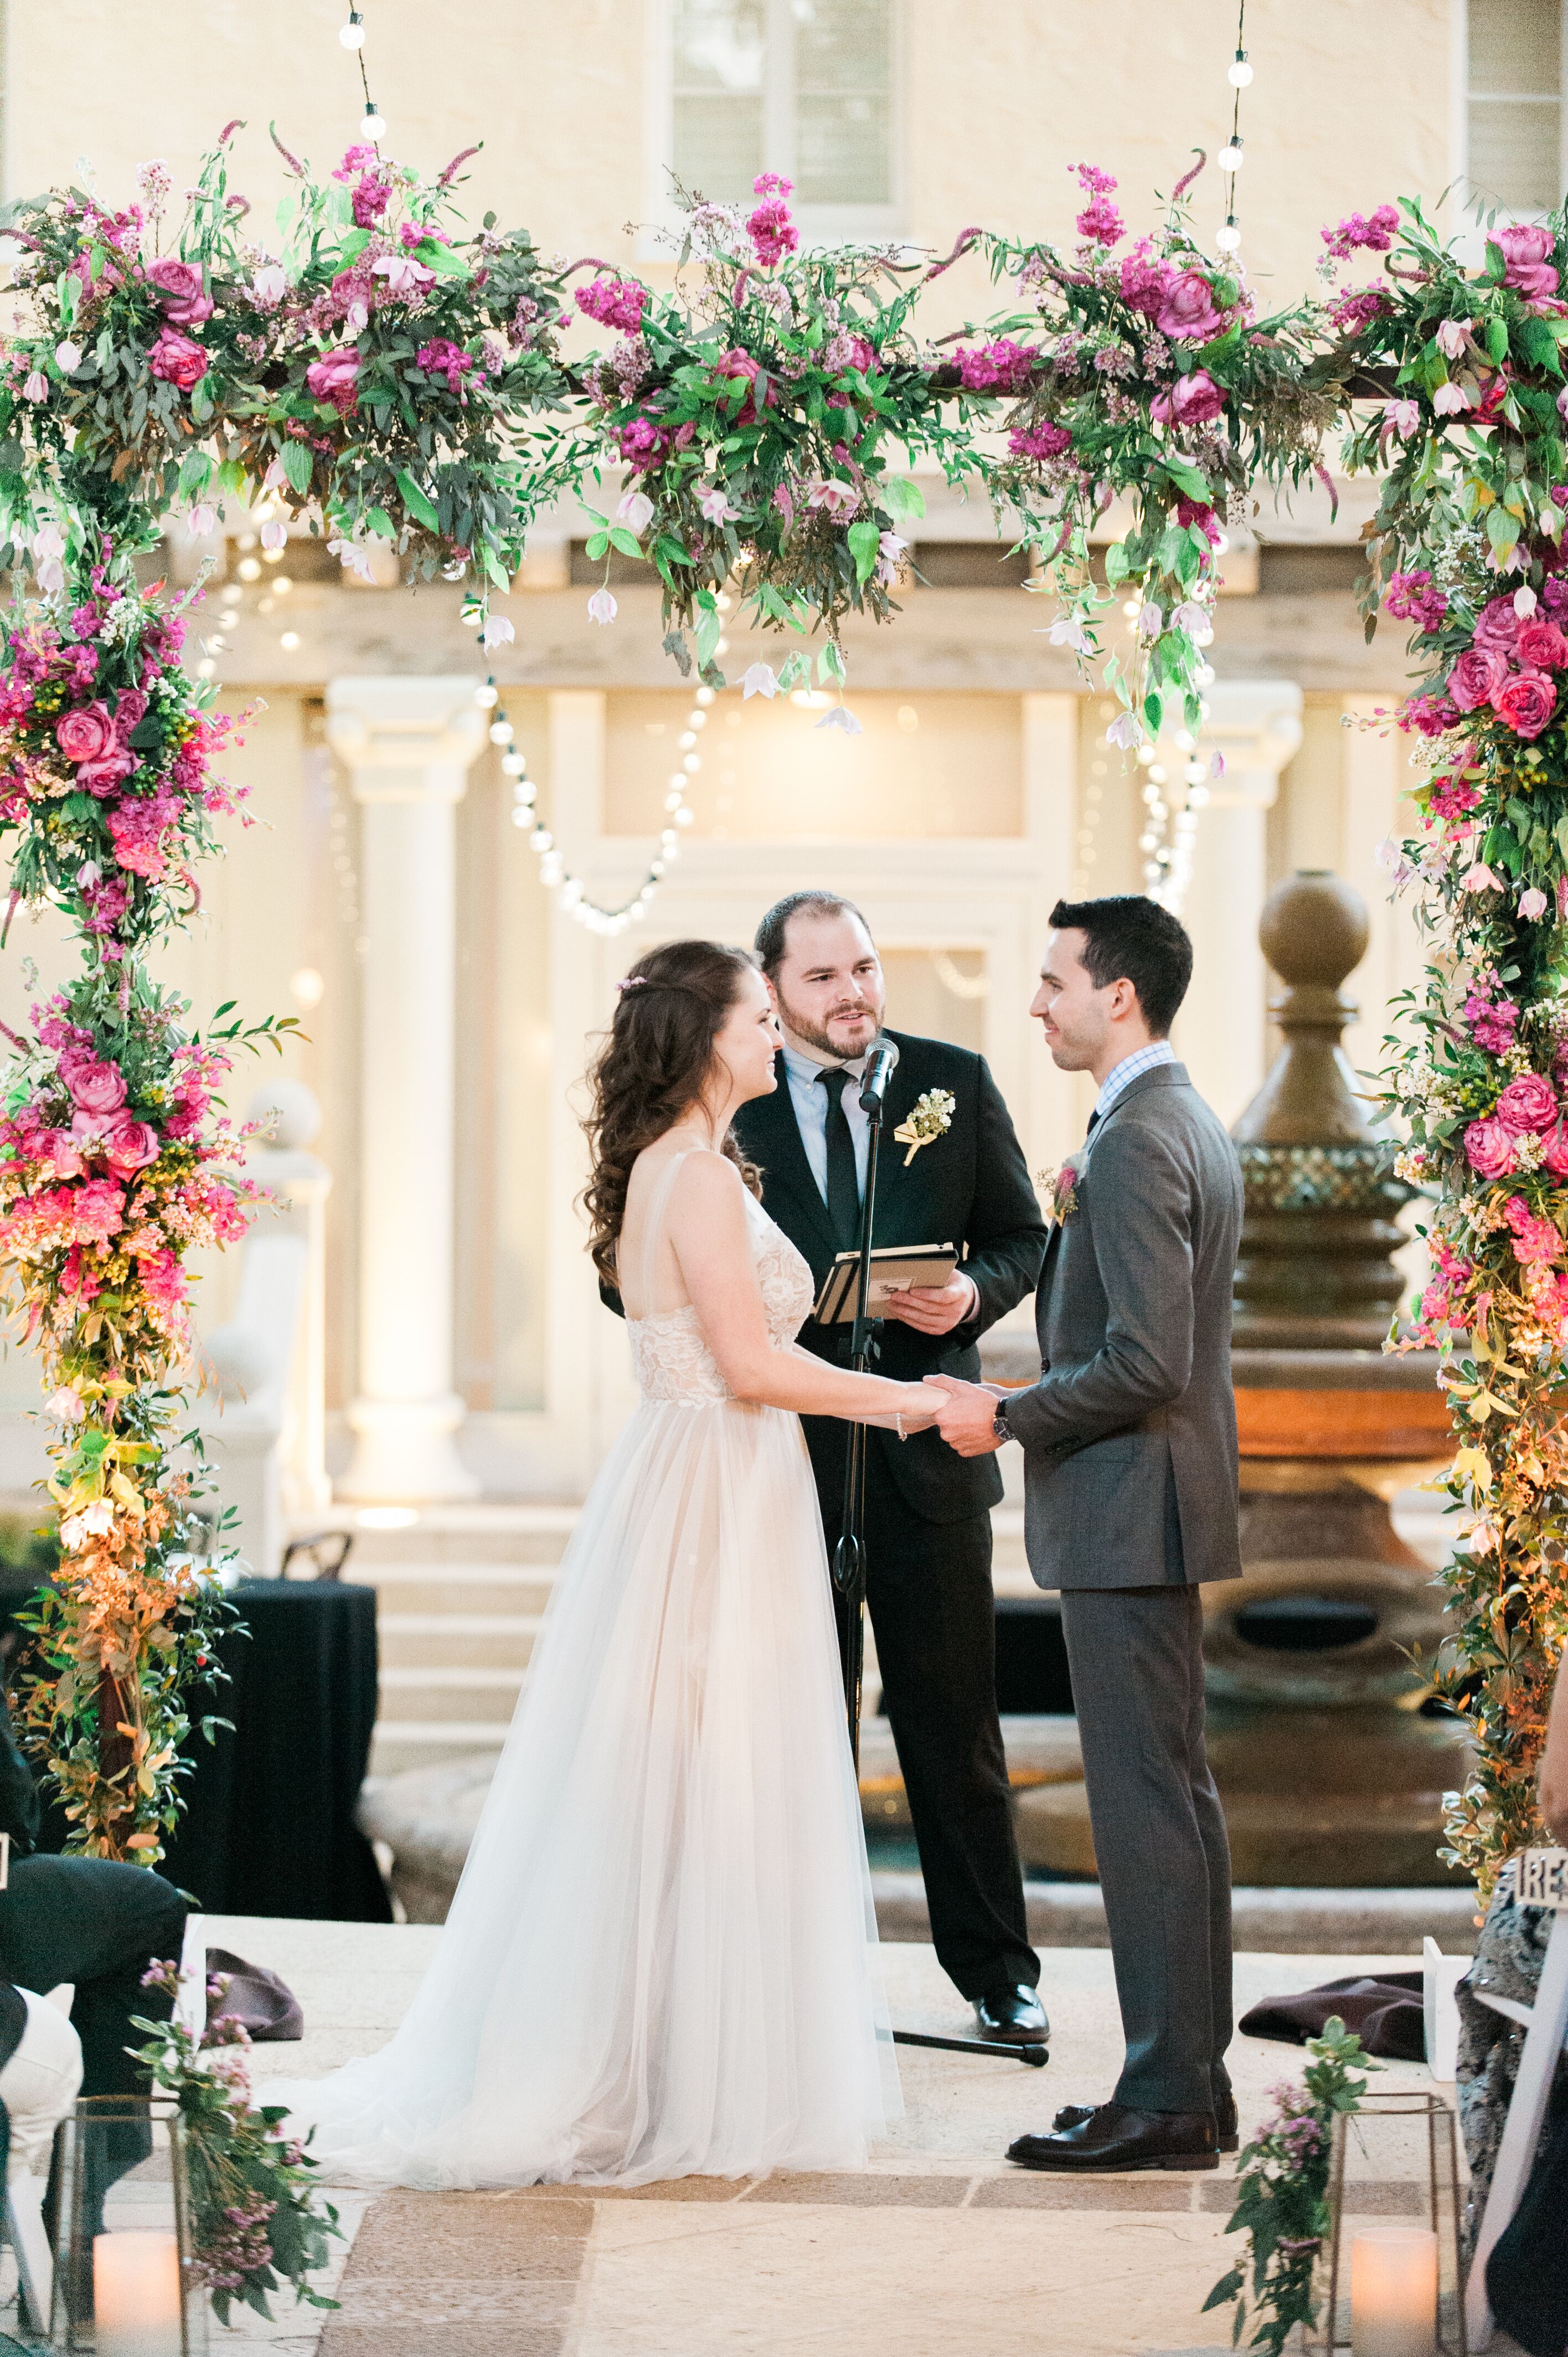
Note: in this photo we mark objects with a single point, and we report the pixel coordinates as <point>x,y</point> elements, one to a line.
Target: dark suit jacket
<point>1130,1435</point>
<point>970,1188</point>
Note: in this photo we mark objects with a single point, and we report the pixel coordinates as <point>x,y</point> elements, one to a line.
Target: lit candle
<point>135,2294</point>
<point>1393,2292</point>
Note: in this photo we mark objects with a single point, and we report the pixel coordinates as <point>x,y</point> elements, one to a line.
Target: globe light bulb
<point>1240,73</point>
<point>1231,158</point>
<point>485,696</point>
<point>1228,238</point>
<point>373,126</point>
<point>352,34</point>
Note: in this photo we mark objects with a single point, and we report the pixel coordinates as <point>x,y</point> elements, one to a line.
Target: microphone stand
<point>849,1562</point>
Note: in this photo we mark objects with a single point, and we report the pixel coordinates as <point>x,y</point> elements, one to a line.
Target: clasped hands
<point>964,1413</point>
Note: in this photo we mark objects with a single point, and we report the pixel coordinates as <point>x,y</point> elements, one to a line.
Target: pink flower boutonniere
<point>1061,1191</point>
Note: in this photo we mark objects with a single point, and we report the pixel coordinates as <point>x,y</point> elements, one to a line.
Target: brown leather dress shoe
<point>1013,2015</point>
<point>1072,2116</point>
<point>1115,2137</point>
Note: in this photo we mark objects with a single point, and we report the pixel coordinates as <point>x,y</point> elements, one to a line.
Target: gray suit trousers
<point>1136,1659</point>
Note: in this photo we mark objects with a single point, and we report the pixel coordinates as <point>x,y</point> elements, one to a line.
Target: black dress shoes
<point>1072,2116</point>
<point>1013,2015</point>
<point>1114,2138</point>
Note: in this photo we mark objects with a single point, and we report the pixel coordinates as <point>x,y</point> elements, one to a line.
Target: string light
<point>352,35</point>
<point>553,873</point>
<point>1228,238</point>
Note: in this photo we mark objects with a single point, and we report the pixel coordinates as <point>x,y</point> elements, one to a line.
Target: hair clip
<point>633,982</point>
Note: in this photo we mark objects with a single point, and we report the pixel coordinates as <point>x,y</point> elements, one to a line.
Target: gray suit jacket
<point>1130,1435</point>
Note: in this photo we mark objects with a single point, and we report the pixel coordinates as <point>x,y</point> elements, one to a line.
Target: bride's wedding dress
<point>660,1960</point>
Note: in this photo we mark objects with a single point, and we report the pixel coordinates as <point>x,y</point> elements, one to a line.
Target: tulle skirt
<point>661,1957</point>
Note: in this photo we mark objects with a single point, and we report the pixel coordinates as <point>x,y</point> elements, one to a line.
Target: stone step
<point>478,1590</point>
<point>431,1743</point>
<point>519,1533</point>
<point>444,1640</point>
<point>466,1692</point>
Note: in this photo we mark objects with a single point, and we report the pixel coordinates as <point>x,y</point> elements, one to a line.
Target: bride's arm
<point>711,1240</point>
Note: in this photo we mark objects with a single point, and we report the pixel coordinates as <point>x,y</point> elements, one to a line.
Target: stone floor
<point>937,2248</point>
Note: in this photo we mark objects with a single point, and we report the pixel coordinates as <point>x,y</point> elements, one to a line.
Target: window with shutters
<point>1514,120</point>
<point>805,88</point>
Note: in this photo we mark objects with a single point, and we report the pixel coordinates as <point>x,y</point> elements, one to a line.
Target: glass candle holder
<point>123,2280</point>
<point>1391,2281</point>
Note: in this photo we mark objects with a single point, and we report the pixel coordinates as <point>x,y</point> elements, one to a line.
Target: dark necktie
<point>1093,1124</point>
<point>843,1179</point>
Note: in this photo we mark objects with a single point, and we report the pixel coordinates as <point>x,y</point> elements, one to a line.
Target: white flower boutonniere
<point>932,1119</point>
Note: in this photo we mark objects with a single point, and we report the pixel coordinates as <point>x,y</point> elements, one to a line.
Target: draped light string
<point>1232,158</point>
<point>352,35</point>
<point>553,873</point>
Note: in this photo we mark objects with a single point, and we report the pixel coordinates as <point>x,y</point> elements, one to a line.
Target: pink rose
<point>96,1087</point>
<point>86,733</point>
<point>1193,399</point>
<point>1542,644</point>
<point>741,364</point>
<point>1489,1149</point>
<point>1528,1103</point>
<point>1187,308</point>
<point>186,300</point>
<point>130,1146</point>
<point>1476,677</point>
<point>101,777</point>
<point>335,378</point>
<point>1527,701</point>
<point>57,1149</point>
<point>1555,1157</point>
<point>177,361</point>
<point>1496,626</point>
<point>1526,250</point>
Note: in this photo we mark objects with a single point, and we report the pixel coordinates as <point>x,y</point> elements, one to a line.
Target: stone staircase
<point>460,1593</point>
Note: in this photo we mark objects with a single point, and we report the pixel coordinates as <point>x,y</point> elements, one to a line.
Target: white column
<point>408,744</point>
<point>1221,1033</point>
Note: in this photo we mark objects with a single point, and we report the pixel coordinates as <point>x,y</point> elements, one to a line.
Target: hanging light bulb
<point>1240,73</point>
<point>352,34</point>
<point>1231,158</point>
<point>1230,237</point>
<point>375,129</point>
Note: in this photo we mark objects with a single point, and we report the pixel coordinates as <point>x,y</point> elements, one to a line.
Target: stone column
<point>1221,1033</point>
<point>408,744</point>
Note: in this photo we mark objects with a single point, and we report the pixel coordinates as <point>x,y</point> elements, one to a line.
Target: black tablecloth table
<point>269,1825</point>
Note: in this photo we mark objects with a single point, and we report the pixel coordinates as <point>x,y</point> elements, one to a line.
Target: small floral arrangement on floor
<point>1142,372</point>
<point>761,412</point>
<point>257,2219</point>
<point>1282,2195</point>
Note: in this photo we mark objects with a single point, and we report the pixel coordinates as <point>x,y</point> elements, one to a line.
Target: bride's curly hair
<point>651,1069</point>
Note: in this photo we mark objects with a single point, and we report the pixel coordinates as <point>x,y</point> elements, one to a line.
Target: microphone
<point>880,1059</point>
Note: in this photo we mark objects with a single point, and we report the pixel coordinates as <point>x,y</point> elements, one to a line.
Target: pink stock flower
<point>1188,310</point>
<point>614,303</point>
<point>1042,441</point>
<point>1489,1149</point>
<point>1192,400</point>
<point>772,233</point>
<point>1535,1239</point>
<point>334,379</point>
<point>1542,644</point>
<point>1357,307</point>
<point>1526,250</point>
<point>1001,366</point>
<point>371,199</point>
<point>177,361</point>
<point>1099,223</point>
<point>1528,1105</point>
<point>1356,232</point>
<point>86,733</point>
<point>1145,279</point>
<point>186,301</point>
<point>642,444</point>
<point>1526,700</point>
<point>441,357</point>
<point>96,1087</point>
<point>1411,597</point>
<point>1476,677</point>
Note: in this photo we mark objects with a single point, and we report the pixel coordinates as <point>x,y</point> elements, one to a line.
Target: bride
<point>660,1960</point>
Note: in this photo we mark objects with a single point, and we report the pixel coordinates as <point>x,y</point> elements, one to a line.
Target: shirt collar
<point>1121,1076</point>
<point>805,1066</point>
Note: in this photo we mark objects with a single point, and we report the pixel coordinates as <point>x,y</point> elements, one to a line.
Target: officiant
<point>960,1177</point>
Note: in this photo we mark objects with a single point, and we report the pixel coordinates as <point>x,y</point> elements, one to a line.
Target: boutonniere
<point>1060,1190</point>
<point>932,1119</point>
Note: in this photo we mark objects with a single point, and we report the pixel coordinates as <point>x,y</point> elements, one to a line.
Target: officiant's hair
<point>771,944</point>
<point>670,1009</point>
<point>1128,937</point>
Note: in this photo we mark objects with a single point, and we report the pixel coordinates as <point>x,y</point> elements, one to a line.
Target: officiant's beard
<point>822,1042</point>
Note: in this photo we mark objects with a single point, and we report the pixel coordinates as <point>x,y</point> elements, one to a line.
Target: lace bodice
<point>673,1361</point>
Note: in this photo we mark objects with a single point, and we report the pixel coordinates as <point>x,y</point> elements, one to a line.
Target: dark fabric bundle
<point>266,2006</point>
<point>1527,2275</point>
<point>1386,2014</point>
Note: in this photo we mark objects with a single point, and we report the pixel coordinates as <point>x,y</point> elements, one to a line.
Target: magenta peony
<point>1542,644</point>
<point>1528,1103</point>
<point>1526,700</point>
<point>335,378</point>
<point>86,733</point>
<point>1476,677</point>
<point>1527,249</point>
<point>1194,400</point>
<point>1496,626</point>
<point>1489,1149</point>
<point>1145,280</point>
<point>96,1087</point>
<point>1187,308</point>
<point>186,300</point>
<point>177,361</point>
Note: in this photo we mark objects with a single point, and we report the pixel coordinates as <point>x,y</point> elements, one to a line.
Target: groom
<point>927,1514</point>
<point>1130,1461</point>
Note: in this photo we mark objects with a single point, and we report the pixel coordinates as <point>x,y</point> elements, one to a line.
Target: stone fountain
<point>1330,1759</point>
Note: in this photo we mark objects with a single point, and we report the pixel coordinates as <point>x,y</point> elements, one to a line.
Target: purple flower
<point>1357,233</point>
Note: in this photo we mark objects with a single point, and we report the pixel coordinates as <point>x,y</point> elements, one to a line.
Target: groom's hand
<point>935,1309</point>
<point>966,1415</point>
